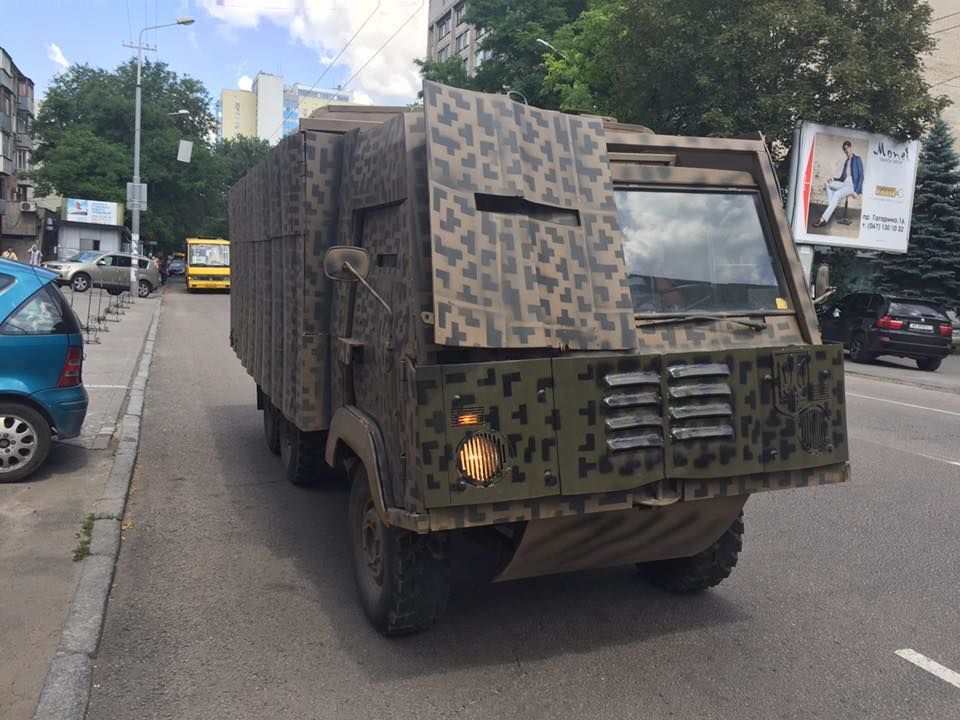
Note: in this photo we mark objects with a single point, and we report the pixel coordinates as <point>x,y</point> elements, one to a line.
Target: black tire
<point>403,578</point>
<point>24,441</point>
<point>80,282</point>
<point>271,427</point>
<point>114,291</point>
<point>302,454</point>
<point>701,571</point>
<point>929,364</point>
<point>144,288</point>
<point>858,348</point>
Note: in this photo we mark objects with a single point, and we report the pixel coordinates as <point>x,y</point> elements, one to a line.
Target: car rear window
<point>46,312</point>
<point>915,309</point>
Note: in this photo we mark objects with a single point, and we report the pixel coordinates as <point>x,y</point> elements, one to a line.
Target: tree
<point>710,68</point>
<point>931,266</point>
<point>508,33</point>
<point>85,147</point>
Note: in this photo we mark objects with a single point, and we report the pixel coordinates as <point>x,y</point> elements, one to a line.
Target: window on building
<point>459,11</point>
<point>465,65</point>
<point>7,104</point>
<point>480,57</point>
<point>443,27</point>
<point>443,53</point>
<point>23,123</point>
<point>21,193</point>
<point>23,160</point>
<point>6,145</point>
<point>463,39</point>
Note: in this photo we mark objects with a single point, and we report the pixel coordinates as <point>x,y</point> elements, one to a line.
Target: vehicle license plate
<point>921,326</point>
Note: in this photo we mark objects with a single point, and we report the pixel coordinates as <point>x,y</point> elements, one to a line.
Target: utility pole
<point>136,193</point>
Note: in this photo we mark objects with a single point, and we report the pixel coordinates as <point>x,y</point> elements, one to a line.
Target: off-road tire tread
<point>271,437</point>
<point>423,582</point>
<point>308,465</point>
<point>703,570</point>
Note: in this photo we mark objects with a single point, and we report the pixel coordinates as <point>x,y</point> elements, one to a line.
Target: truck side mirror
<point>345,262</point>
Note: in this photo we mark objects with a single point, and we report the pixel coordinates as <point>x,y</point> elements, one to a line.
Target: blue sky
<point>230,40</point>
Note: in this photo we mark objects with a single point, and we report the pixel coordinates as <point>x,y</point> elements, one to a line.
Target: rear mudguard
<point>352,429</point>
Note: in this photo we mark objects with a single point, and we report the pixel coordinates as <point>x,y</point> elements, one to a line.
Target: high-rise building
<point>271,110</point>
<point>449,36</point>
<point>21,217</point>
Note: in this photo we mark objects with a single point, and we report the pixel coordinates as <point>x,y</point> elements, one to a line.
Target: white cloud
<point>361,98</point>
<point>56,54</point>
<point>245,82</point>
<point>326,26</point>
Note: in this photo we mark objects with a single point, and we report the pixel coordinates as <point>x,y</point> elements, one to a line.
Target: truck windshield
<point>698,251</point>
<point>209,255</point>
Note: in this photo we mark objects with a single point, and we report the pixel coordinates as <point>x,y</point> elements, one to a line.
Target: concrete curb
<point>66,689</point>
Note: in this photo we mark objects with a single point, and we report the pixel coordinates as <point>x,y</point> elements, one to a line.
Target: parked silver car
<point>111,271</point>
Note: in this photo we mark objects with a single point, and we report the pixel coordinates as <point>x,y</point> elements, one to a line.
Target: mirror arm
<point>363,281</point>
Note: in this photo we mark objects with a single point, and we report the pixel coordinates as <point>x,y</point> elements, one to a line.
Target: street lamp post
<point>135,210</point>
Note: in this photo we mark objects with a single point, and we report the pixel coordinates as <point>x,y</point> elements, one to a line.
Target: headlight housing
<point>483,457</point>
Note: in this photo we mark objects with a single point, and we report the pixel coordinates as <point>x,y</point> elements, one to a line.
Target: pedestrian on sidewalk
<point>34,256</point>
<point>162,266</point>
<point>9,254</point>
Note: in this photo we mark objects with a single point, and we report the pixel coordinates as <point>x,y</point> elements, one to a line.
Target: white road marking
<point>864,438</point>
<point>909,405</point>
<point>931,666</point>
<point>106,387</point>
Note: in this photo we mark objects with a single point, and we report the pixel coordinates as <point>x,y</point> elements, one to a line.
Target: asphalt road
<point>234,596</point>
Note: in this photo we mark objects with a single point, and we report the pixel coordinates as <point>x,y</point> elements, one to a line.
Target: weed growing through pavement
<point>86,533</point>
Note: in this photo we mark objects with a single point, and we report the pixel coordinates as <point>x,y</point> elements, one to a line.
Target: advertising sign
<point>92,211</point>
<point>850,188</point>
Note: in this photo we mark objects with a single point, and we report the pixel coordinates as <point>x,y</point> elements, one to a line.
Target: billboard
<point>97,212</point>
<point>850,188</point>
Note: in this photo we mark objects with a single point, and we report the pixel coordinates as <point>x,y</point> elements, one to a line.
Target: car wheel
<point>144,289</point>
<point>80,282</point>
<point>701,571</point>
<point>114,291</point>
<point>403,578</point>
<point>24,441</point>
<point>929,364</point>
<point>858,349</point>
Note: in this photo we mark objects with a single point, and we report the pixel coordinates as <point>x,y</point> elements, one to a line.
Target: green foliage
<point>706,67</point>
<point>85,147</point>
<point>931,266</point>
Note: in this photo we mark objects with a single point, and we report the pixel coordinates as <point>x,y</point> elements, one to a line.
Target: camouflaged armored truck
<point>581,341</point>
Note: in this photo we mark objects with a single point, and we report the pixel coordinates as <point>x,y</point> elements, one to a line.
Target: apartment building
<point>449,36</point>
<point>21,219</point>
<point>271,110</point>
<point>942,67</point>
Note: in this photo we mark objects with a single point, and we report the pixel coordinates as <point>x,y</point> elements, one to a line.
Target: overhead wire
<point>943,30</point>
<point>944,17</point>
<point>389,39</point>
<point>332,63</point>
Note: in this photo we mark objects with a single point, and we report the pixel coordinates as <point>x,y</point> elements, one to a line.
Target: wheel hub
<point>18,442</point>
<point>371,542</point>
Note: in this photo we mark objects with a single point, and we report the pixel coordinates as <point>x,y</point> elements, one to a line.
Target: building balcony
<point>25,103</point>
<point>6,123</point>
<point>23,140</point>
<point>3,207</point>
<point>6,166</point>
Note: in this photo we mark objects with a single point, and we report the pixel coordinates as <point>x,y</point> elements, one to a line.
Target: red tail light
<point>888,323</point>
<point>946,330</point>
<point>72,368</point>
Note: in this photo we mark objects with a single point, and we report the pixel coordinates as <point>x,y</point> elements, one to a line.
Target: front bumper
<point>67,408</point>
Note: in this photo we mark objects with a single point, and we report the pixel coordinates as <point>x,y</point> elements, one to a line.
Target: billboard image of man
<point>849,182</point>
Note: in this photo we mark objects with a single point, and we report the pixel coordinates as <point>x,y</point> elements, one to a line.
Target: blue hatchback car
<point>41,361</point>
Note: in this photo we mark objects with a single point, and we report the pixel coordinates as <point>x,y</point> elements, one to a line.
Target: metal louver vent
<point>700,402</point>
<point>632,411</point>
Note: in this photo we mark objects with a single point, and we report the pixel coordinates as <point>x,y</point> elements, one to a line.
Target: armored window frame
<point>747,186</point>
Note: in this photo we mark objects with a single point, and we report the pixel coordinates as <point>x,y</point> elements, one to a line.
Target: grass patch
<point>82,549</point>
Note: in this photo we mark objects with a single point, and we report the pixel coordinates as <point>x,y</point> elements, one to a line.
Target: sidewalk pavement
<point>40,519</point>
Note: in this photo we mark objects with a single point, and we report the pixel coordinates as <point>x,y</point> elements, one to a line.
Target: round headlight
<point>482,457</point>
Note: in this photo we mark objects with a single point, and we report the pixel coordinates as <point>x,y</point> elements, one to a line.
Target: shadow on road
<point>485,624</point>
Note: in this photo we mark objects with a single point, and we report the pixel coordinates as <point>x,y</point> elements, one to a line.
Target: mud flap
<point>621,537</point>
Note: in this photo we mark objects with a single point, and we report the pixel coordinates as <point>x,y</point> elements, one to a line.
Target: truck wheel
<point>928,364</point>
<point>301,454</point>
<point>701,571</point>
<point>858,349</point>
<point>271,427</point>
<point>403,578</point>
<point>24,441</point>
